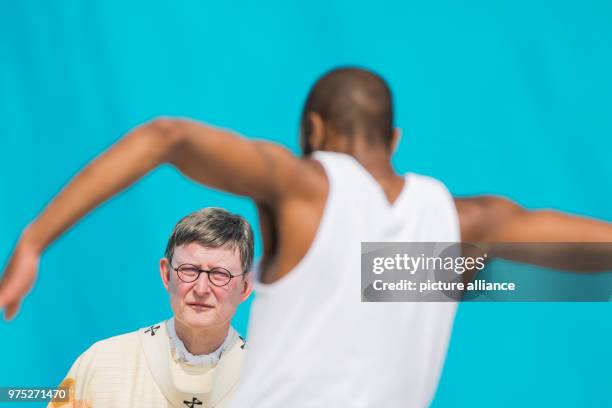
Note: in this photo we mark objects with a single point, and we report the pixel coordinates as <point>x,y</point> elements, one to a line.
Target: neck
<point>201,341</point>
<point>376,159</point>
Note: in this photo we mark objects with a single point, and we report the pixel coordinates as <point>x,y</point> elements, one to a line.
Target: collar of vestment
<point>182,355</point>
<point>186,385</point>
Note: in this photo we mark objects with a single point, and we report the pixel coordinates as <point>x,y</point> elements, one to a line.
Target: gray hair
<point>214,228</point>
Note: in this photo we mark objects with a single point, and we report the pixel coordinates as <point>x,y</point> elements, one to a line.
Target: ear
<point>164,271</point>
<point>395,139</point>
<point>247,287</point>
<point>317,131</point>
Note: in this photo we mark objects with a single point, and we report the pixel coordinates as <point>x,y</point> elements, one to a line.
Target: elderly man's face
<point>201,304</point>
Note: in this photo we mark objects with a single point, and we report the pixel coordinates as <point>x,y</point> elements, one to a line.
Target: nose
<point>202,285</point>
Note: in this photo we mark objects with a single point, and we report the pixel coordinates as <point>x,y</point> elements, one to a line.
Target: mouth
<point>200,306</point>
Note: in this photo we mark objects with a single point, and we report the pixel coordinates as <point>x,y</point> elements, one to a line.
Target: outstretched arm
<point>211,156</point>
<point>493,220</point>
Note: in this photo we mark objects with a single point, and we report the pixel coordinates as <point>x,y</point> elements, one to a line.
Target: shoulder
<point>292,176</point>
<point>426,183</point>
<point>105,360</point>
<point>481,216</point>
<point>114,349</point>
<point>117,344</point>
<point>431,194</point>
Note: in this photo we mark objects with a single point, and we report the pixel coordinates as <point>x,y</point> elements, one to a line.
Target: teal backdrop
<point>510,97</point>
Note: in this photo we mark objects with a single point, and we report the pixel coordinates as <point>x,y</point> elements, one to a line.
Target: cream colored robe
<point>138,369</point>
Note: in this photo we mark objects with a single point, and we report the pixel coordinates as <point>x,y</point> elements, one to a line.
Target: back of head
<point>353,102</point>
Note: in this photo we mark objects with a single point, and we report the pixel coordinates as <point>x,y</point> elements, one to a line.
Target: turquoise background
<point>510,98</point>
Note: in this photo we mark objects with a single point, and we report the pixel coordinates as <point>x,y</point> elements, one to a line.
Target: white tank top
<point>313,343</point>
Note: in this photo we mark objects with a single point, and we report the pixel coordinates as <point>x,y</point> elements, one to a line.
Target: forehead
<point>205,257</point>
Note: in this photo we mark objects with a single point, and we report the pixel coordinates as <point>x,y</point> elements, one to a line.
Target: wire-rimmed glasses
<point>218,276</point>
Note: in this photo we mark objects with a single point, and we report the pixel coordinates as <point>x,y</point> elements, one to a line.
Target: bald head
<point>353,102</point>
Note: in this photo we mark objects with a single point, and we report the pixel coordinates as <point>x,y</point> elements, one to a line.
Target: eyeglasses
<point>217,276</point>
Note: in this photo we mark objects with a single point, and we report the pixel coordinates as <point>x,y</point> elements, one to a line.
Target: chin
<point>198,320</point>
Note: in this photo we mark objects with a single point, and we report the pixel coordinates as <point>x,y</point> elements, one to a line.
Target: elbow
<point>168,129</point>
<point>167,134</point>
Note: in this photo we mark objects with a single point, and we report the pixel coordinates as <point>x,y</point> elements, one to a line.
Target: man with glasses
<point>193,359</point>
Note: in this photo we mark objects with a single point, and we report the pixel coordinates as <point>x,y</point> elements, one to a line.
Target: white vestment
<point>143,369</point>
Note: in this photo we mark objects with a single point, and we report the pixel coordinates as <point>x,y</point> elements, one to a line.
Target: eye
<point>188,269</point>
<point>220,276</point>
